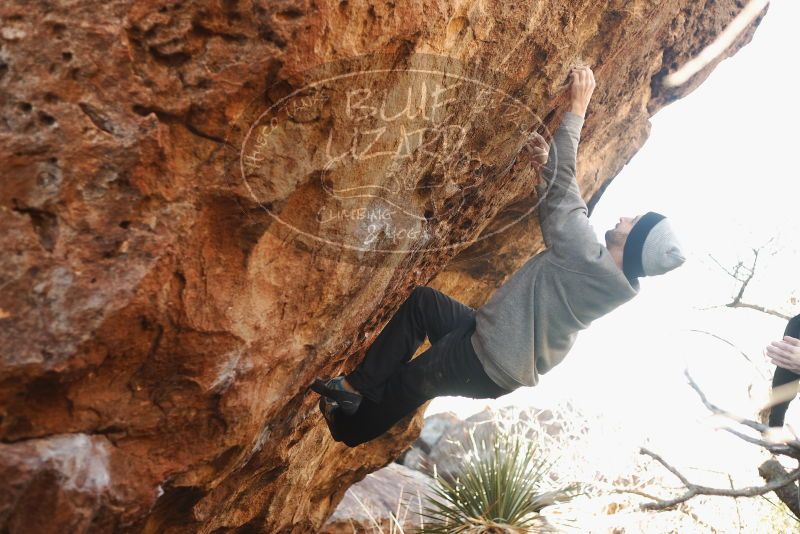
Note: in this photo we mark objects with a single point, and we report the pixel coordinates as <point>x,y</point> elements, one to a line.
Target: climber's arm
<point>563,213</point>
<point>559,196</point>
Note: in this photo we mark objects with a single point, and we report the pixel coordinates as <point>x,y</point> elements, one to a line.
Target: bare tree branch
<point>792,446</point>
<point>693,490</point>
<point>743,353</point>
<point>774,448</point>
<point>682,507</point>
<point>736,500</point>
<point>634,491</point>
<point>744,275</point>
<point>776,482</point>
<point>751,273</point>
<point>756,307</point>
<point>772,470</point>
<point>734,274</point>
<point>760,427</point>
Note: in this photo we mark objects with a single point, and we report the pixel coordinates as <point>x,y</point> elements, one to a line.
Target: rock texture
<point>392,496</point>
<point>159,321</point>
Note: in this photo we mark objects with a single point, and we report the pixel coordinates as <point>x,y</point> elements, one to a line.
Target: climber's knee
<point>420,293</point>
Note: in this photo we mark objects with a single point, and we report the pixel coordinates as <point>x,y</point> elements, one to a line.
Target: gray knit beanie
<point>651,248</point>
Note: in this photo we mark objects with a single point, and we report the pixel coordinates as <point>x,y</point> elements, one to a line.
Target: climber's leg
<point>426,312</point>
<point>449,367</point>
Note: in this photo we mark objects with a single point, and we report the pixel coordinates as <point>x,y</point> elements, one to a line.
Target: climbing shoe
<point>329,409</point>
<point>334,389</point>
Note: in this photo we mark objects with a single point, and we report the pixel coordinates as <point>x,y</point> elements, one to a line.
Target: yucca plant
<point>500,489</point>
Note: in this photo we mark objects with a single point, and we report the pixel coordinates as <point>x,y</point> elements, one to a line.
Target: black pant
<point>783,376</point>
<point>394,385</point>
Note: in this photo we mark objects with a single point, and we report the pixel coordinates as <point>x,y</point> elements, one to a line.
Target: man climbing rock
<point>531,321</point>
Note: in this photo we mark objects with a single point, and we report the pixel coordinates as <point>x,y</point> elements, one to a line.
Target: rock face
<point>388,497</point>
<point>200,211</point>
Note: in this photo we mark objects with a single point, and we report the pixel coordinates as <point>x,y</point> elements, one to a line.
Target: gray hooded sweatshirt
<point>533,319</point>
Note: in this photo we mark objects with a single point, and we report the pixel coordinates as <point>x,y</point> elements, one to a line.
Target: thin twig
<point>760,427</point>
<point>743,353</point>
<point>745,280</point>
<point>762,309</point>
<point>736,501</point>
<point>731,274</point>
<point>774,448</point>
<point>634,491</point>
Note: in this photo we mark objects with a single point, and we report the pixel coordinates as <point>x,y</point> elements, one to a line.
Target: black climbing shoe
<point>329,409</point>
<point>334,390</point>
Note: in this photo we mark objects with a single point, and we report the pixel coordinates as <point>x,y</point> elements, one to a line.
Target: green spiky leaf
<point>498,490</point>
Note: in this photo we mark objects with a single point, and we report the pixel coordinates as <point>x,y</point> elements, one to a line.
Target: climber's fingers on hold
<point>584,81</point>
<point>576,73</point>
<point>584,74</point>
<point>575,77</point>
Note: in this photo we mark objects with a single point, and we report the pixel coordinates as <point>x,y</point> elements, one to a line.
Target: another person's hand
<point>581,87</point>
<point>785,353</point>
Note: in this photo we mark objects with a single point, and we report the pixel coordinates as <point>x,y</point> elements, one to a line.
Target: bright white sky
<point>721,163</point>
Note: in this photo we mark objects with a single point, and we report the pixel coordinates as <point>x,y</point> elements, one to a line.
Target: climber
<point>530,322</point>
